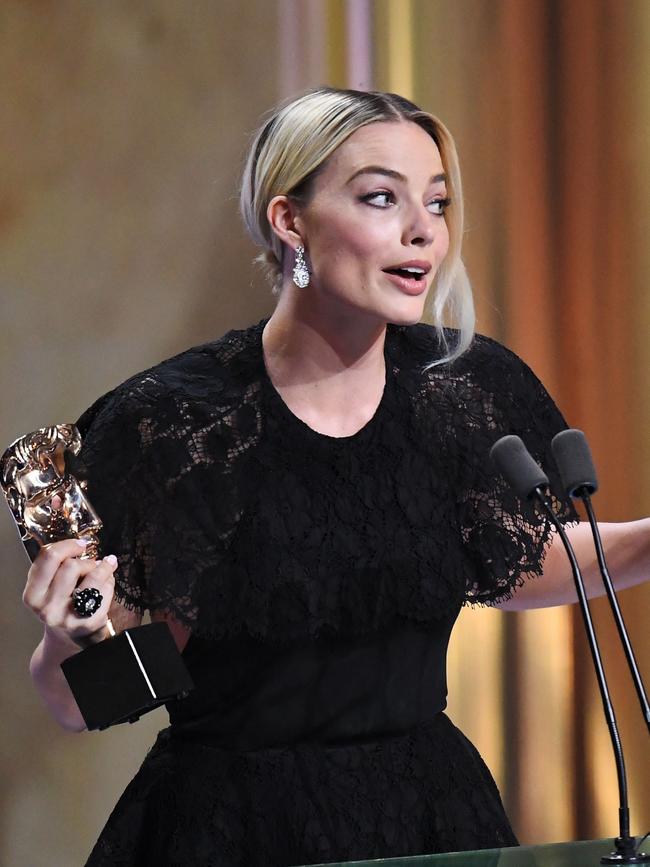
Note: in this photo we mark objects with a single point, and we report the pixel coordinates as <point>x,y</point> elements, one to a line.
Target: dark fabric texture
<point>422,792</point>
<point>321,578</point>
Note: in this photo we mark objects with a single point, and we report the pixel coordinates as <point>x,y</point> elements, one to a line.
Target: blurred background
<point>124,126</point>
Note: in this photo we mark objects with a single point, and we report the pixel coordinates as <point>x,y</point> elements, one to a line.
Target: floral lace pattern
<point>426,792</point>
<point>226,510</point>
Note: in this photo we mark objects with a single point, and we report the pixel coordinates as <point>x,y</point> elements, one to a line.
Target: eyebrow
<point>391,173</point>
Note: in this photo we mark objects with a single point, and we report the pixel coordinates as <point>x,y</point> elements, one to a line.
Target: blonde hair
<point>291,147</point>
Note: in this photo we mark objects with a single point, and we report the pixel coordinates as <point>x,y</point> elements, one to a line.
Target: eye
<point>375,199</point>
<point>439,206</point>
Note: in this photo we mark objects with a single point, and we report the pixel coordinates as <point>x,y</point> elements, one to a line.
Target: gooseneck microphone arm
<point>573,457</point>
<point>616,610</point>
<point>610,716</point>
<point>518,467</point>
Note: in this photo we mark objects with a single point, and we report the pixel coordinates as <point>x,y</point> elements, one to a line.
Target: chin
<point>406,315</point>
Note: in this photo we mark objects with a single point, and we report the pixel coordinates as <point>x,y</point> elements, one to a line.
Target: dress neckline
<point>282,410</point>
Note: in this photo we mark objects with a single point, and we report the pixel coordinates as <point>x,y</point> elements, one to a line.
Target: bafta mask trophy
<point>126,675</point>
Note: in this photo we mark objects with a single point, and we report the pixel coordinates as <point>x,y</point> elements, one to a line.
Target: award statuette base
<point>120,678</point>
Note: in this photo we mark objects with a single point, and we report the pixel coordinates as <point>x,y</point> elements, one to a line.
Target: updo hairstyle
<point>291,148</point>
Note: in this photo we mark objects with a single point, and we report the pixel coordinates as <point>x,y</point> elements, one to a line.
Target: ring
<point>86,602</point>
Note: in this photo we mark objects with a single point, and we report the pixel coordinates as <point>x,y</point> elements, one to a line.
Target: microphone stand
<point>583,493</point>
<point>625,851</point>
<point>573,458</point>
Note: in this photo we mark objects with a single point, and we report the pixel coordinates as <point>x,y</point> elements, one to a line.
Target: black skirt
<point>191,803</point>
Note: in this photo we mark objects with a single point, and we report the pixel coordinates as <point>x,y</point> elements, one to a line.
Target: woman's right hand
<point>53,576</point>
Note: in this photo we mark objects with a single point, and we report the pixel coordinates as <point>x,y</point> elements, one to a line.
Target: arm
<point>55,647</point>
<point>627,549</point>
<point>52,577</point>
<point>50,682</point>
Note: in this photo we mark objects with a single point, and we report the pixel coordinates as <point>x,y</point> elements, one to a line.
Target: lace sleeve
<point>165,474</point>
<point>505,538</point>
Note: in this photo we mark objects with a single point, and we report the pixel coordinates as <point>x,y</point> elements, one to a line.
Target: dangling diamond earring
<point>300,272</point>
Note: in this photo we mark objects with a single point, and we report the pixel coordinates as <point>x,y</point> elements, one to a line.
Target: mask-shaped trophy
<point>126,675</point>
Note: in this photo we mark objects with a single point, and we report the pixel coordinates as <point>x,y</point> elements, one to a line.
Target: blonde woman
<point>309,503</point>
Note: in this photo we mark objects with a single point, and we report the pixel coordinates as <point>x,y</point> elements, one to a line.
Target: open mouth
<point>409,277</point>
<point>407,273</point>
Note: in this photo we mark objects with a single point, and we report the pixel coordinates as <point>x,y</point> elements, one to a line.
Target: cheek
<point>442,242</point>
<point>346,239</point>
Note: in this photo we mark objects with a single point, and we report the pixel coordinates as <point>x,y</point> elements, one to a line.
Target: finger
<point>67,577</point>
<point>54,609</point>
<point>102,579</point>
<point>45,566</point>
<point>99,578</point>
<point>50,557</point>
<point>102,572</point>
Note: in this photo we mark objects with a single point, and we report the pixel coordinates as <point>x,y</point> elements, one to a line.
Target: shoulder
<point>218,375</point>
<point>418,346</point>
<point>488,386</point>
<point>495,367</point>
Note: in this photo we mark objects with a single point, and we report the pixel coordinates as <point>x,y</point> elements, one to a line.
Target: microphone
<point>573,457</point>
<point>521,471</point>
<point>516,465</point>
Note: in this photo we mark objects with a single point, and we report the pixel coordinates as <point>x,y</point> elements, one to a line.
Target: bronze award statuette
<point>128,674</point>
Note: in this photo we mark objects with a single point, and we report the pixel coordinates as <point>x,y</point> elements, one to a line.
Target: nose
<point>420,227</point>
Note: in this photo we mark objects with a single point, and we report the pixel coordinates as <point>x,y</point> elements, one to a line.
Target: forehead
<point>402,146</point>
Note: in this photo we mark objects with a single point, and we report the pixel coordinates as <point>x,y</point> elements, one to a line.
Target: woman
<point>308,503</point>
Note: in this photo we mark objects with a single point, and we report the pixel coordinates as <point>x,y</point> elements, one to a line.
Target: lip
<point>410,285</point>
<point>412,263</point>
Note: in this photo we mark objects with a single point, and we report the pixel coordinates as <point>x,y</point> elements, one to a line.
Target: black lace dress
<point>321,578</point>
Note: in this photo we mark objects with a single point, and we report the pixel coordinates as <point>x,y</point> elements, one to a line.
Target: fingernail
<point>112,559</point>
<point>81,542</point>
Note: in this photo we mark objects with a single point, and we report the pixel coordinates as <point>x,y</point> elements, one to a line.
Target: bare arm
<point>627,549</point>
<point>49,681</point>
<point>52,577</point>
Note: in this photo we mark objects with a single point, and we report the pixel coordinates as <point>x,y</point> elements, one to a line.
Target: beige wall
<point>123,130</point>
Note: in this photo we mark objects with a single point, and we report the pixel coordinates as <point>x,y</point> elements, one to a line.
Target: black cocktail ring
<point>86,602</point>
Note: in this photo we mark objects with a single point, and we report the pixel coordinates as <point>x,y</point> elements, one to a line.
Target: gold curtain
<point>545,102</point>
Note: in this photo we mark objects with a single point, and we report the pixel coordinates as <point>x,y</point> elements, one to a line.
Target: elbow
<point>68,716</point>
<point>72,724</point>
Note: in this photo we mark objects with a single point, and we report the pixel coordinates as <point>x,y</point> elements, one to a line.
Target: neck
<point>304,344</point>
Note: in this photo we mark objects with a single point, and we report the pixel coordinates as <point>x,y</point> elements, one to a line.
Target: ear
<point>284,218</point>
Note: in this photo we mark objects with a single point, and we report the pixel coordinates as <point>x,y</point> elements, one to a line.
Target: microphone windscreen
<point>517,465</point>
<point>573,458</point>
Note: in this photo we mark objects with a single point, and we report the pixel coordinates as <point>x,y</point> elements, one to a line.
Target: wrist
<point>57,643</point>
<point>98,635</point>
<point>49,654</point>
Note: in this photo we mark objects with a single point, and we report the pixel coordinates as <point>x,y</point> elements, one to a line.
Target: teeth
<point>413,270</point>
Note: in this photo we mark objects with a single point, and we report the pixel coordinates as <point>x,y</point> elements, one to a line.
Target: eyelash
<point>443,203</point>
